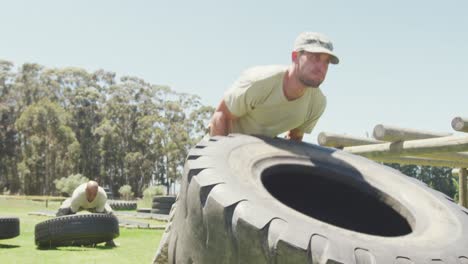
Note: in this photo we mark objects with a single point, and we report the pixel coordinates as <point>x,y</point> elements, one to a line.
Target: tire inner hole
<point>339,200</point>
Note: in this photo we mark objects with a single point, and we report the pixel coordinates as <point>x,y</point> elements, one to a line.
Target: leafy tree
<point>151,192</point>
<point>47,146</point>
<point>126,192</point>
<point>8,134</point>
<point>66,121</point>
<point>68,184</point>
<point>438,178</point>
<point>86,110</point>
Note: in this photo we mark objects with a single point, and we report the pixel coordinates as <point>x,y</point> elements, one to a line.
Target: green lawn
<point>136,245</point>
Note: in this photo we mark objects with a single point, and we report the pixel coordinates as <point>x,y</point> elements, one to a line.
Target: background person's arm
<point>104,208</point>
<point>75,203</point>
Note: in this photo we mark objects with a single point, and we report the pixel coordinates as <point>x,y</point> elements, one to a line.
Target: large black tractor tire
<point>76,230</point>
<point>246,199</point>
<point>9,227</point>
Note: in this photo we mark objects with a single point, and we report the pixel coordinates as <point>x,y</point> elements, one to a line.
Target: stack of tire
<point>162,204</point>
<point>9,227</point>
<point>122,205</point>
<point>109,193</point>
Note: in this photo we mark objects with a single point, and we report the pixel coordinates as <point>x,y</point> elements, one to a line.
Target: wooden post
<point>392,133</point>
<point>462,187</point>
<point>460,124</point>
<point>412,147</point>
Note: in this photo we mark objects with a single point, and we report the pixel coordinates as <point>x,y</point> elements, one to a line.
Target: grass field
<point>136,245</point>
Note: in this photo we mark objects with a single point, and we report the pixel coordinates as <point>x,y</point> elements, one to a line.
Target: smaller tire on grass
<point>9,227</point>
<point>76,230</point>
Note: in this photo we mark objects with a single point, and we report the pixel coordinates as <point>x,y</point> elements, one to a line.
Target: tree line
<point>438,178</point>
<point>56,122</point>
<point>62,122</point>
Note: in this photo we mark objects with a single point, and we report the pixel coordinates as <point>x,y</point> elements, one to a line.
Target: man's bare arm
<point>295,134</point>
<point>221,122</point>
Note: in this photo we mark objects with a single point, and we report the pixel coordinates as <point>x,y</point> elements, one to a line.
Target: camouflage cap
<point>317,43</point>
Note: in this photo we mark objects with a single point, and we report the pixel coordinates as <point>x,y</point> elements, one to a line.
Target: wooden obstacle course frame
<point>410,146</point>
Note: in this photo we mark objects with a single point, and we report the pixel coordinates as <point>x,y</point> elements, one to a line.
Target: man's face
<point>91,194</point>
<point>312,67</point>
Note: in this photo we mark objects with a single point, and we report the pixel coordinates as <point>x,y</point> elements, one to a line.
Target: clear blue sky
<point>403,63</point>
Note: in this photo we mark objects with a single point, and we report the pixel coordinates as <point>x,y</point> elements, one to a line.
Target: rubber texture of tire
<point>122,205</point>
<point>161,211</point>
<point>226,214</point>
<point>76,230</point>
<point>9,227</point>
<point>164,199</point>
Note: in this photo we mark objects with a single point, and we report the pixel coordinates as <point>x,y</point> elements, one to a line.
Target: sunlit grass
<point>136,245</point>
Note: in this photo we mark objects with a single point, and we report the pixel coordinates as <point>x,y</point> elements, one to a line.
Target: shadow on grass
<point>8,246</point>
<point>77,248</point>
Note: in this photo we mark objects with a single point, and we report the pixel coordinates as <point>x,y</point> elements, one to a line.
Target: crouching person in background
<point>88,196</point>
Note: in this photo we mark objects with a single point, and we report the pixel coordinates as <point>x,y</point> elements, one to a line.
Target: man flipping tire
<point>88,196</point>
<point>271,100</point>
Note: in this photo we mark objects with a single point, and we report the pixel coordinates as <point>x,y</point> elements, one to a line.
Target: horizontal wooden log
<point>421,161</point>
<point>412,147</point>
<point>457,157</point>
<point>392,133</point>
<point>460,124</point>
<point>340,141</point>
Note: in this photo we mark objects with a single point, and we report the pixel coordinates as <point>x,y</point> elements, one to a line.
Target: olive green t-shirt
<point>257,98</point>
